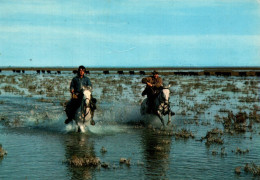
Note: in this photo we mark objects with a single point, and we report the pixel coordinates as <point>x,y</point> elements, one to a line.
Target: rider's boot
<point>67,121</point>
<point>70,117</point>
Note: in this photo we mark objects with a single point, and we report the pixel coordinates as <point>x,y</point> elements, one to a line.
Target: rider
<point>153,86</point>
<point>76,86</point>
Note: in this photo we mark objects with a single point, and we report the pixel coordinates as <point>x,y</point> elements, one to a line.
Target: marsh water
<point>39,144</point>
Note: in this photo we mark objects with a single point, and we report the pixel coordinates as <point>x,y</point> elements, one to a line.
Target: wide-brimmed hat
<point>155,72</point>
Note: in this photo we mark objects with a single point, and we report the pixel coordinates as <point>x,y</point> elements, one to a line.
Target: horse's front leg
<point>159,114</point>
<point>81,123</point>
<point>81,127</point>
<point>170,114</point>
<point>92,122</point>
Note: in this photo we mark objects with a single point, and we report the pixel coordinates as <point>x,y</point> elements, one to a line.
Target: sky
<point>130,33</point>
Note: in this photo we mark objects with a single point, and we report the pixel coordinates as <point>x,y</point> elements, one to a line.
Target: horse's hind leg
<point>169,118</point>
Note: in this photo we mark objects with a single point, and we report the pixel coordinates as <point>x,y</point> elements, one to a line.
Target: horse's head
<point>166,91</point>
<point>83,114</point>
<point>87,94</point>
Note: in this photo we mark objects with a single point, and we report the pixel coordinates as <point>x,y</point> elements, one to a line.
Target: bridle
<point>85,106</point>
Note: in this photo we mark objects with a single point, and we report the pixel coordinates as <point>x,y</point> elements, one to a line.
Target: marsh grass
<point>2,152</point>
<point>252,168</point>
<point>84,161</point>
<point>184,133</point>
<point>11,88</point>
<point>192,98</point>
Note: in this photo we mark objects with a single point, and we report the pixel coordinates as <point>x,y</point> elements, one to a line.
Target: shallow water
<point>39,144</point>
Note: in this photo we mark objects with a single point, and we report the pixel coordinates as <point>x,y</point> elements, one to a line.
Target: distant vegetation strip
<point>133,68</point>
<point>191,71</point>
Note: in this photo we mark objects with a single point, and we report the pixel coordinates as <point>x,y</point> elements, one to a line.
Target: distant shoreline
<point>210,68</point>
<point>192,71</point>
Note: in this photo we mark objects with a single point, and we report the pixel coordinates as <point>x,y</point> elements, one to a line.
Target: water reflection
<point>157,148</point>
<point>79,146</point>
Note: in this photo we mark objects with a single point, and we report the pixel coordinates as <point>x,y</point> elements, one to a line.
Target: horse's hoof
<point>172,113</point>
<point>92,123</point>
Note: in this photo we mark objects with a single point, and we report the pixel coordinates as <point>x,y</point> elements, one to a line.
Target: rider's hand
<point>149,84</point>
<point>74,96</point>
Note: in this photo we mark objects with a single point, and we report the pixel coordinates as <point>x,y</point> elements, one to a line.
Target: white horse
<point>84,114</point>
<point>161,105</point>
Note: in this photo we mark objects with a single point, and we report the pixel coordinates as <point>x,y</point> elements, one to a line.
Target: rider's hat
<point>81,67</point>
<point>155,72</point>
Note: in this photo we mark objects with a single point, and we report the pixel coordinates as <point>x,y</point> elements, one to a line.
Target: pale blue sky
<point>130,33</point>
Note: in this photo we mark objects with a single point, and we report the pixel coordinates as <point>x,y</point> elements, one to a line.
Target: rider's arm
<point>72,85</point>
<point>147,80</point>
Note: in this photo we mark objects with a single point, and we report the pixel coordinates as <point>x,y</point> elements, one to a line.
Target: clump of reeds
<point>3,117</point>
<point>184,133</point>
<point>236,122</point>
<point>238,170</point>
<point>103,150</point>
<point>231,87</point>
<point>213,136</point>
<point>83,161</point>
<point>248,99</point>
<point>32,88</point>
<point>2,152</point>
<point>218,119</point>
<point>240,151</point>
<point>254,116</point>
<point>222,152</point>
<point>9,88</point>
<point>252,168</point>
<point>125,161</point>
